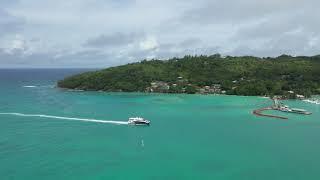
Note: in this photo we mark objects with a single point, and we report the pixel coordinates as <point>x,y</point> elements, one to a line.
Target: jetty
<point>278,106</point>
<point>258,112</point>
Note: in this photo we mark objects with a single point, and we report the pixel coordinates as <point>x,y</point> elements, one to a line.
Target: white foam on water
<point>44,86</point>
<point>312,101</point>
<point>66,118</point>
<point>29,86</point>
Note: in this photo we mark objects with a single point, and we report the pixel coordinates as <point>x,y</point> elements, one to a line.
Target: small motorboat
<point>138,121</point>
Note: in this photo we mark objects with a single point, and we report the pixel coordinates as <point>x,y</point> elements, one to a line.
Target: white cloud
<point>18,43</point>
<point>103,33</point>
<point>150,43</point>
<point>15,45</point>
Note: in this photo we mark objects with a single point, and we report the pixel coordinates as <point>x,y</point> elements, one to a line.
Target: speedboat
<point>138,121</point>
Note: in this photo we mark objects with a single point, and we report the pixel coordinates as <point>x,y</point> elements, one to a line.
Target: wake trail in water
<point>42,86</point>
<point>29,86</point>
<point>66,118</point>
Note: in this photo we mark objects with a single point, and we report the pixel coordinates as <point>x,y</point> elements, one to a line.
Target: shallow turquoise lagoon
<point>191,136</point>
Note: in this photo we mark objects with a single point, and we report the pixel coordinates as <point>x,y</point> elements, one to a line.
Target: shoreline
<point>159,93</point>
<point>152,93</point>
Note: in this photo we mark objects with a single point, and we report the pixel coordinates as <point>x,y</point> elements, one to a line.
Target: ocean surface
<point>48,133</point>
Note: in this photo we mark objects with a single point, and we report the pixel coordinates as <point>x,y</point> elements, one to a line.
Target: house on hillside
<point>158,86</point>
<point>213,89</point>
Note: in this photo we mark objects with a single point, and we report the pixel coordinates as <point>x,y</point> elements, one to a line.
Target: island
<point>286,76</point>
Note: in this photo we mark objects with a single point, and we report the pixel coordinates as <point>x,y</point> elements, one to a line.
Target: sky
<point>104,33</point>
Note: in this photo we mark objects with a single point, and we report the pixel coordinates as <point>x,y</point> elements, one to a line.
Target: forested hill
<point>235,75</point>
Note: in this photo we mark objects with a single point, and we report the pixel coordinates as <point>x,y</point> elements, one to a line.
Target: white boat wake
<point>65,118</point>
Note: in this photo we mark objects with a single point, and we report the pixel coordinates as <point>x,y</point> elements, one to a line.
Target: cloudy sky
<point>102,33</point>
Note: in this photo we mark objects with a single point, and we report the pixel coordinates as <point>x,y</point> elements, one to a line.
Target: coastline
<point>153,93</point>
<point>161,93</point>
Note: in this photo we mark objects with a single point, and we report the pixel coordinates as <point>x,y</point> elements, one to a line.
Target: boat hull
<point>140,123</point>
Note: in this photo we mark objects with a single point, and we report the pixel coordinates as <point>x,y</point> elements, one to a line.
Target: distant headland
<point>287,76</point>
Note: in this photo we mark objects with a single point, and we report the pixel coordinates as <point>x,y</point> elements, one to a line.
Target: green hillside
<point>237,75</point>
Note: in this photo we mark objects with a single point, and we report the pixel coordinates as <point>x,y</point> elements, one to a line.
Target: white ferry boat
<point>138,121</point>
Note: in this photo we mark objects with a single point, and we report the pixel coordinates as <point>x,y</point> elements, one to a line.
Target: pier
<point>278,106</point>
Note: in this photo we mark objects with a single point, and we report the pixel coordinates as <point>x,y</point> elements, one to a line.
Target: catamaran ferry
<point>138,121</point>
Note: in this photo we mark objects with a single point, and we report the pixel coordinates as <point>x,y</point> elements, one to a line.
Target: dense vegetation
<point>237,75</point>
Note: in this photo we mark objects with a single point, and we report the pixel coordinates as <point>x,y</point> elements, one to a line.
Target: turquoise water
<point>191,136</point>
